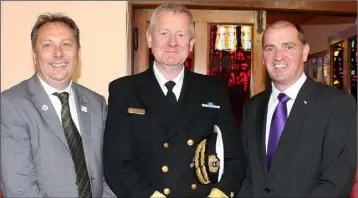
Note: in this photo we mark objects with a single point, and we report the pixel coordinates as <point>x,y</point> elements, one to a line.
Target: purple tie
<point>277,124</point>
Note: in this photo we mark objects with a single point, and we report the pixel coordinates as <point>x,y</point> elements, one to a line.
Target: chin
<point>60,77</point>
<point>172,63</point>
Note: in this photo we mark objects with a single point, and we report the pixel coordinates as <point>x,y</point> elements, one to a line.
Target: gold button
<point>191,165</point>
<point>193,186</point>
<point>166,145</point>
<point>165,169</point>
<point>166,191</point>
<point>190,142</point>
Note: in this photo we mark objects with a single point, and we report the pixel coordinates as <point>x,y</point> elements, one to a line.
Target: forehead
<point>170,20</point>
<point>281,34</point>
<point>55,29</point>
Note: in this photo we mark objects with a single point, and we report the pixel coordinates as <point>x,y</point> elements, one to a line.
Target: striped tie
<point>75,144</point>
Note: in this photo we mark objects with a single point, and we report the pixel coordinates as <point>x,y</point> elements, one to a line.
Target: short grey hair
<point>173,8</point>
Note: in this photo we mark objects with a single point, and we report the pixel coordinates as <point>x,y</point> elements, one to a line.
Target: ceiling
<point>307,18</point>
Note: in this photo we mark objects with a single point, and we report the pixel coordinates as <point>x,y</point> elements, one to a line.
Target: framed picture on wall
<point>315,66</point>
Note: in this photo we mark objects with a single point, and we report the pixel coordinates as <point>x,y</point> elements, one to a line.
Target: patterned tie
<point>277,124</point>
<point>170,95</point>
<point>75,144</point>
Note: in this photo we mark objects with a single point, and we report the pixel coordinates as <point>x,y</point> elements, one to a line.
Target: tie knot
<point>62,96</point>
<point>170,84</point>
<point>282,97</point>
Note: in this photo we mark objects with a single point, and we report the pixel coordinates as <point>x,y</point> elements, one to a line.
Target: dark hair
<point>301,34</point>
<point>54,18</point>
<point>282,24</point>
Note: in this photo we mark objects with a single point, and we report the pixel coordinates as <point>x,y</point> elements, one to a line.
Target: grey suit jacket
<point>35,157</point>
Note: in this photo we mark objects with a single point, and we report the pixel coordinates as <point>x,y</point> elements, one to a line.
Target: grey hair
<point>173,8</point>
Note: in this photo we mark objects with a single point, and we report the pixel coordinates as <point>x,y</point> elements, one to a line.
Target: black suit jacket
<point>134,151</point>
<point>316,155</point>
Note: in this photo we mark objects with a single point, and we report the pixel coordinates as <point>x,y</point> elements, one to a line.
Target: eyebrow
<point>283,44</point>
<point>64,39</point>
<point>288,43</point>
<point>268,45</point>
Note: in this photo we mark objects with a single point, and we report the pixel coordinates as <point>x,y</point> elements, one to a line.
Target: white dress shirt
<point>162,80</point>
<point>57,103</point>
<point>291,92</point>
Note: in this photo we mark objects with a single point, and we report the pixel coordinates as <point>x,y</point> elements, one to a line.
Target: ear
<point>306,50</point>
<point>149,39</point>
<point>34,57</point>
<point>78,55</point>
<point>191,44</point>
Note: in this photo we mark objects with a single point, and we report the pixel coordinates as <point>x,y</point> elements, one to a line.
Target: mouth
<point>62,64</point>
<point>280,66</point>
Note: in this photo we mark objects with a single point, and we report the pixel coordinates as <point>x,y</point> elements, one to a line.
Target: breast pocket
<point>139,122</point>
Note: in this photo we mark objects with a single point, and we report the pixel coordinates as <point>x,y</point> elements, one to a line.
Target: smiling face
<point>284,54</point>
<point>56,54</point>
<point>171,39</point>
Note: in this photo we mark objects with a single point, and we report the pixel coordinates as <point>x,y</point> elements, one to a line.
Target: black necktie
<point>75,144</point>
<point>170,95</point>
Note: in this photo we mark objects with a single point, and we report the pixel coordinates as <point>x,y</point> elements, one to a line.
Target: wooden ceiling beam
<point>342,8</point>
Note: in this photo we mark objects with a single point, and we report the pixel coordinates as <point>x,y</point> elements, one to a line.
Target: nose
<point>172,42</point>
<point>58,51</point>
<point>279,54</point>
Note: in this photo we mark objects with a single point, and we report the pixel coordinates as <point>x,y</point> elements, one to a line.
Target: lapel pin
<point>83,108</point>
<point>305,101</point>
<point>44,107</point>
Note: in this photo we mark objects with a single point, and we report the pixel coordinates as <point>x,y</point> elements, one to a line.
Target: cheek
<point>267,58</point>
<point>159,43</point>
<point>295,58</point>
<point>186,45</point>
<point>158,46</point>
<point>43,60</point>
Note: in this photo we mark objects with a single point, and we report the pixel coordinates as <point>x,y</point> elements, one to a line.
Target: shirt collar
<point>162,80</point>
<point>50,90</point>
<point>291,91</point>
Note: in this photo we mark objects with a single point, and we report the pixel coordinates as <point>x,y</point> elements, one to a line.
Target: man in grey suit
<point>51,127</point>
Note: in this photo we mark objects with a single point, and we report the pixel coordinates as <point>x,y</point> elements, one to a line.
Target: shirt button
<point>193,186</point>
<point>165,169</point>
<point>190,142</point>
<point>166,191</point>
<point>166,145</point>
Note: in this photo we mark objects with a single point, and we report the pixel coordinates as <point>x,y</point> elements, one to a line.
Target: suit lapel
<point>84,119</point>
<point>261,129</point>
<point>43,104</point>
<point>188,105</point>
<point>83,112</point>
<point>306,99</point>
<point>153,98</point>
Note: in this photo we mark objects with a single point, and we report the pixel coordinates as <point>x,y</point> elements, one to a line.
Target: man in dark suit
<point>153,128</point>
<point>299,135</point>
<point>52,128</point>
